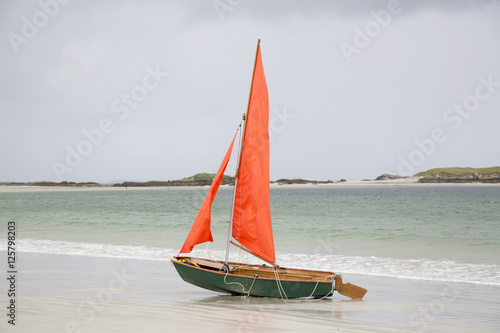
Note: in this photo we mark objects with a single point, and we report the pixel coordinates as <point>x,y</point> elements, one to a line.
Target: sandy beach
<point>99,262</point>
<point>62,293</point>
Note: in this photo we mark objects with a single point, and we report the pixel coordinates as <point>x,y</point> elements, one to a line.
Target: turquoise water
<point>428,232</point>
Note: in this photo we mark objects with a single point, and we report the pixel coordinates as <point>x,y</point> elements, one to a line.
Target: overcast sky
<point>154,90</point>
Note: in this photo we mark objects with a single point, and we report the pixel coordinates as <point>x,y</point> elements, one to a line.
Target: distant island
<point>453,175</point>
<point>48,183</point>
<point>460,175</point>
<point>439,175</point>
<point>301,181</point>
<point>200,179</point>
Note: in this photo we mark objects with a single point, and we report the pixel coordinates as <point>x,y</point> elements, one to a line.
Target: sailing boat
<point>250,227</point>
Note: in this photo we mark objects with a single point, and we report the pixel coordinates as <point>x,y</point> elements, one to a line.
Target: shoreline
<point>410,181</point>
<point>72,293</point>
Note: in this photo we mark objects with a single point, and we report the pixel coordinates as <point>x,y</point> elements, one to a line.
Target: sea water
<point>445,233</point>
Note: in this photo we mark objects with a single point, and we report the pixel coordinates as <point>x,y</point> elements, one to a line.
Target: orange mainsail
<point>200,231</point>
<point>251,212</point>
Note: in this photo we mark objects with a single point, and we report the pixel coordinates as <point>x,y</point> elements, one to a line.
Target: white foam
<point>92,249</point>
<point>422,269</point>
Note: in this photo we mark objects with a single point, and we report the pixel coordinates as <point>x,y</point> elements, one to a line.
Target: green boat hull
<point>252,286</point>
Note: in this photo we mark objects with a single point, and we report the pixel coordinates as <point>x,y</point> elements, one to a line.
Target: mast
<point>242,139</point>
<point>230,232</point>
<point>245,114</point>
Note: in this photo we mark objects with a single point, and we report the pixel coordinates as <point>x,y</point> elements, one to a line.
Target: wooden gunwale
<point>263,272</point>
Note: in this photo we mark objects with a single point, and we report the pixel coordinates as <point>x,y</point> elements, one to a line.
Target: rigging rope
<point>239,254</point>
<point>278,282</point>
<point>333,286</point>
<point>210,257</point>
<point>317,282</point>
<point>241,285</point>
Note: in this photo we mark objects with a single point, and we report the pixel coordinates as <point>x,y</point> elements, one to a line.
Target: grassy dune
<point>460,172</point>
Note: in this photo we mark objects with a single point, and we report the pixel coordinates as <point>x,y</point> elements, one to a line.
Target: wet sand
<point>62,293</point>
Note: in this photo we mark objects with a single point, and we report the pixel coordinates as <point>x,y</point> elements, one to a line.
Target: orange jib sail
<point>251,212</point>
<point>200,231</point>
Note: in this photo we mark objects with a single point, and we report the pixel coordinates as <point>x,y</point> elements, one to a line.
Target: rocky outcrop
<point>473,178</point>
<point>182,182</point>
<point>284,181</point>
<point>387,176</point>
